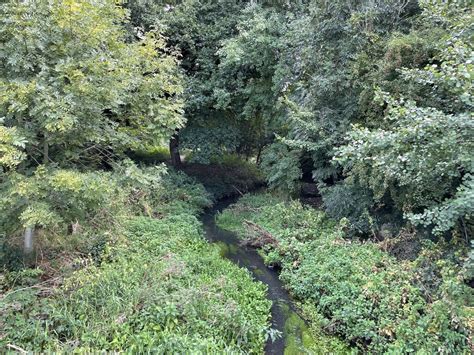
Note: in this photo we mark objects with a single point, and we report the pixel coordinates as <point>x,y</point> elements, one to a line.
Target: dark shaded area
<point>222,180</point>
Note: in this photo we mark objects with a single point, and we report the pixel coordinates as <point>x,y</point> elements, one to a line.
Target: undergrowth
<point>158,286</point>
<point>227,175</point>
<point>357,290</point>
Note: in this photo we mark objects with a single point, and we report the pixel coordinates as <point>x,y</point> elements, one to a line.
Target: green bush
<point>282,167</point>
<point>70,211</point>
<point>53,199</point>
<point>159,287</point>
<point>155,191</point>
<point>180,193</point>
<point>359,291</point>
<point>151,155</point>
<point>80,211</point>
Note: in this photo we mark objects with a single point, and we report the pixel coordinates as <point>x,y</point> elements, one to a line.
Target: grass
<point>158,287</point>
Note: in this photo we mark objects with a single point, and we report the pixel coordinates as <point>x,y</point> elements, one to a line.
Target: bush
<point>282,167</point>
<point>154,191</point>
<point>151,155</point>
<point>69,210</point>
<point>158,287</point>
<point>53,199</point>
<point>79,211</point>
<point>359,291</point>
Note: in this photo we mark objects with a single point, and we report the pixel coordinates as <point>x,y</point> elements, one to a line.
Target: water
<point>295,334</point>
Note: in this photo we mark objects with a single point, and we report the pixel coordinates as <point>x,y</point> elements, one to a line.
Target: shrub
<point>359,291</point>
<point>70,211</point>
<point>79,211</point>
<point>151,155</point>
<point>158,287</point>
<point>282,167</point>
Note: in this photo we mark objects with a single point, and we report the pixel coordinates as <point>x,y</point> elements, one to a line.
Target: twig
<point>17,348</point>
<point>241,194</point>
<point>26,288</point>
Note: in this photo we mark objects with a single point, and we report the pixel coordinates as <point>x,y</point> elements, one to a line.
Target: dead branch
<point>258,236</point>
<point>17,348</point>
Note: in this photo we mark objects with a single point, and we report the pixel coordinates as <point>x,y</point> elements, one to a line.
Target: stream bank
<point>295,335</point>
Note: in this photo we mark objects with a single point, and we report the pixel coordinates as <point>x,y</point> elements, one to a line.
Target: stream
<point>284,318</point>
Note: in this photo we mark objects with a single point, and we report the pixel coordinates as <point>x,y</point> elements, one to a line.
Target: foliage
<point>49,199</point>
<point>423,156</point>
<point>290,81</point>
<point>180,193</point>
<point>334,62</point>
<point>157,286</point>
<point>314,77</point>
<point>11,145</point>
<point>160,288</point>
<point>357,290</point>
<point>197,29</point>
<point>351,201</point>
<point>208,141</point>
<point>70,212</point>
<point>228,95</point>
<point>90,207</point>
<point>372,97</point>
<point>150,155</point>
<point>72,102</point>
<point>227,175</point>
<point>282,166</point>
<point>420,160</point>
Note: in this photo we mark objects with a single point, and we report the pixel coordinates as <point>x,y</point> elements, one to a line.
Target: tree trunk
<point>29,240</point>
<point>174,151</point>
<point>259,155</point>
<point>45,151</point>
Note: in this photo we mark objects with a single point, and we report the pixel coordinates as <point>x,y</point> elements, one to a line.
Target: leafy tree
<point>423,156</point>
<point>73,93</point>
<point>315,80</point>
<point>72,86</point>
<point>228,53</point>
<point>247,66</point>
<point>197,29</point>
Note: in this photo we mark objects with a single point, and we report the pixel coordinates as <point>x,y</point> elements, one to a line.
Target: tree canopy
<point>70,101</point>
<point>123,122</point>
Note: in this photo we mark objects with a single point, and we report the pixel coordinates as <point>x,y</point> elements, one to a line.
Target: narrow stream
<point>284,318</point>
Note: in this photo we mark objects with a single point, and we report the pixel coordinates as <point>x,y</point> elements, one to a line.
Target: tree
<point>197,29</point>
<point>225,100</point>
<point>422,156</point>
<point>74,92</point>
<point>71,85</point>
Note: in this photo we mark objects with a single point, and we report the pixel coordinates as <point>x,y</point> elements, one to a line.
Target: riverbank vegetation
<point>120,122</point>
<point>363,291</point>
<point>146,281</point>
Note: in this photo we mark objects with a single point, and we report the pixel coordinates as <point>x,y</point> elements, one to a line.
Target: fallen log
<point>258,236</point>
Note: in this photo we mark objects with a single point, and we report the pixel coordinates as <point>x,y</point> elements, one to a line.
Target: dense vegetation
<point>358,290</point>
<point>372,99</point>
<point>121,121</point>
<point>156,286</point>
